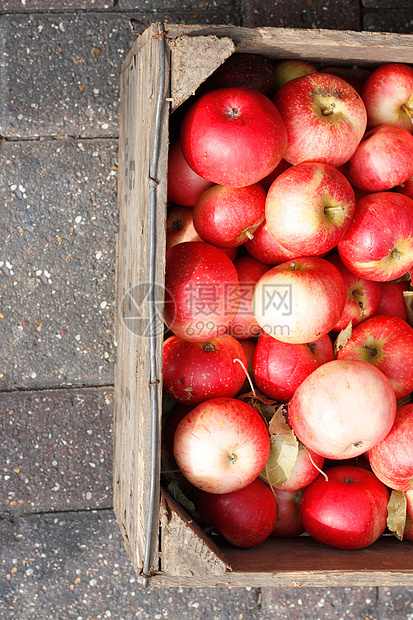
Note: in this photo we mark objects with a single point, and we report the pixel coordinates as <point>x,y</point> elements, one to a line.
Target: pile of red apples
<point>288,355</point>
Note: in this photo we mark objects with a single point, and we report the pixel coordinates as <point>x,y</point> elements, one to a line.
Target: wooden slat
<point>319,46</point>
<point>132,417</point>
<point>304,562</point>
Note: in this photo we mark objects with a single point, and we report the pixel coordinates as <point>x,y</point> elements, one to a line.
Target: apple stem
<point>292,266</point>
<point>370,349</point>
<point>208,346</point>
<point>328,110</point>
<point>316,466</point>
<point>397,255</point>
<point>333,208</point>
<point>408,111</point>
<point>232,458</point>
<point>249,234</point>
<point>247,375</point>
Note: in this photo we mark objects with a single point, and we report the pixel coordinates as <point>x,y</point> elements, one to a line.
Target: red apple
<point>233,136</point>
<point>184,185</point>
<point>180,226</point>
<point>245,518</point>
<point>222,445</point>
<point>408,530</point>
<point>342,409</point>
<point>280,367</point>
<point>392,458</point>
<point>202,291</point>
<point>387,343</point>
<point>228,216</point>
<point>304,470</point>
<point>392,299</point>
<point>324,116</point>
<point>382,160</point>
<point>388,96</point>
<point>378,244</point>
<point>266,249</point>
<point>299,301</point>
<point>309,208</point>
<point>249,270</point>
<point>288,524</point>
<point>198,371</point>
<point>286,70</point>
<point>241,69</point>
<point>349,511</point>
<point>362,299</point>
<point>356,76</point>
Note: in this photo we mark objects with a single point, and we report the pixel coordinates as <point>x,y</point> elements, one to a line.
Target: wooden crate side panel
<point>186,550</point>
<point>193,60</point>
<point>132,421</point>
<point>320,46</point>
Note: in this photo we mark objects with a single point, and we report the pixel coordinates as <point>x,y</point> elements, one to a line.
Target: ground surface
<point>61,554</point>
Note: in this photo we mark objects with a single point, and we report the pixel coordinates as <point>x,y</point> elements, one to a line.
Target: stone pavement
<point>61,553</point>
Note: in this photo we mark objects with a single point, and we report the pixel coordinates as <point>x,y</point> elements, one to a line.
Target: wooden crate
<point>165,546</point>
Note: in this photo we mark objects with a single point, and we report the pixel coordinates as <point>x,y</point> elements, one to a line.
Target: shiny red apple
<point>198,371</point>
<point>349,511</point>
<point>324,116</point>
<point>378,244</point>
<point>280,367</point>
<point>325,411</point>
<point>222,445</point>
<point>309,208</point>
<point>233,136</point>
<point>392,458</point>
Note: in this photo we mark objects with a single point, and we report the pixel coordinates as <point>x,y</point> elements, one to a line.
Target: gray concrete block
<point>73,565</point>
<point>58,226</point>
<point>56,450</point>
<point>320,603</point>
<point>389,21</point>
<point>54,5</point>
<point>59,73</point>
<point>331,14</point>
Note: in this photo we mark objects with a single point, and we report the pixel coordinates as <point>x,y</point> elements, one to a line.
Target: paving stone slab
<point>387,4</point>
<point>73,565</point>
<point>395,603</point>
<point>177,5</point>
<point>389,21</point>
<point>56,450</point>
<point>59,73</point>
<point>331,14</point>
<point>58,223</point>
<point>320,603</point>
<point>54,5</point>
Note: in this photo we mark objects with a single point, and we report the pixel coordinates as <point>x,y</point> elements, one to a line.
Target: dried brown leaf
<point>396,513</point>
<point>343,338</point>
<point>284,450</point>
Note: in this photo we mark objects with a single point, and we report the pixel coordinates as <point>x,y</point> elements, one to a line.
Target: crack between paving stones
<point>11,517</point>
<point>58,138</point>
<point>55,388</point>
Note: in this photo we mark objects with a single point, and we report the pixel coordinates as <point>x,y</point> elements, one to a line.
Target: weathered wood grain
<point>132,416</point>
